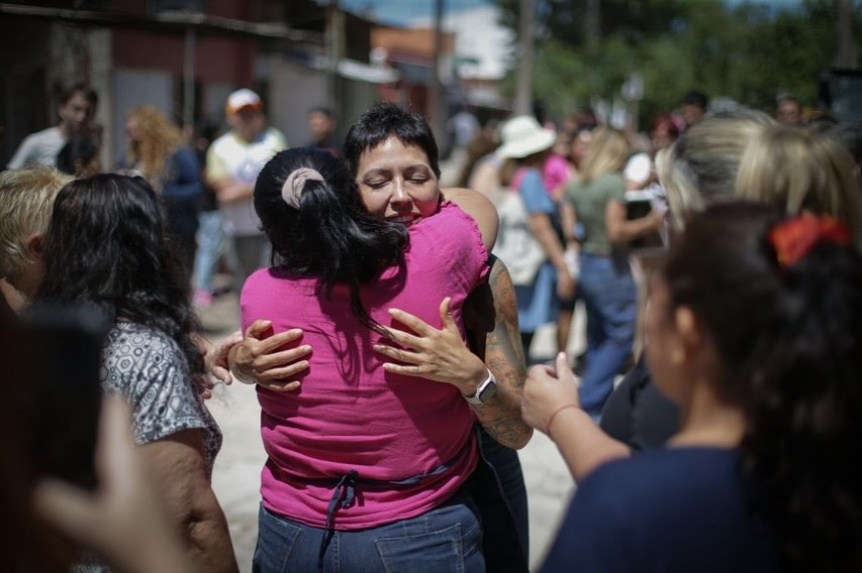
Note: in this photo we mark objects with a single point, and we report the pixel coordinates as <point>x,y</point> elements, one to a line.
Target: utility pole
<point>524,93</point>
<point>334,38</point>
<point>593,22</point>
<point>435,93</point>
<point>189,78</point>
<point>846,47</point>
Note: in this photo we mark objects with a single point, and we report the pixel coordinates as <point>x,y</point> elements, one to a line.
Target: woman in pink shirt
<point>366,465</point>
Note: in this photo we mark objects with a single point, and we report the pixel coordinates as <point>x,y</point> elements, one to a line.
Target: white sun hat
<point>523,136</point>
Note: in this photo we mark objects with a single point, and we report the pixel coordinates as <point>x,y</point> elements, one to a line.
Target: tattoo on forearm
<point>504,355</point>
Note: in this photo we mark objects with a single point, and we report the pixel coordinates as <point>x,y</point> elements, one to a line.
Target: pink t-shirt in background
<point>349,414</point>
<point>556,172</point>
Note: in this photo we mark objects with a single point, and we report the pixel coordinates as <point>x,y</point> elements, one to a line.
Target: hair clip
<point>295,183</point>
<point>794,238</point>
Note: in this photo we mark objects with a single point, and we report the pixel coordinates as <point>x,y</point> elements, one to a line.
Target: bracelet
<point>554,415</point>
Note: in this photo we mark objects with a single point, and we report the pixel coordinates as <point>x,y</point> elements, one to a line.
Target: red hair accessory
<point>794,238</point>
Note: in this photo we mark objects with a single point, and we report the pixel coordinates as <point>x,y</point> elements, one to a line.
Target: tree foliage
<point>747,52</point>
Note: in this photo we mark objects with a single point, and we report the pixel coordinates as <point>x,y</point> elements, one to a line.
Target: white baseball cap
<point>241,99</point>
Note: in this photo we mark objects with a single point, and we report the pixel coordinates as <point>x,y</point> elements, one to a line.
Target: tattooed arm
<point>440,355</point>
<point>495,306</point>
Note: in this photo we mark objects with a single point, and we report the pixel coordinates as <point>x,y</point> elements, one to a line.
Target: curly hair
<point>105,246</point>
<point>788,339</point>
<point>159,137</point>
<point>330,236</point>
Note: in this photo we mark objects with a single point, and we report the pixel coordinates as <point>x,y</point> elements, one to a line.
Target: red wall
<point>217,58</point>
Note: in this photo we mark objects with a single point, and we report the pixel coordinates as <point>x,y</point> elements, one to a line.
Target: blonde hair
<point>607,152</point>
<point>797,170</point>
<point>702,165</point>
<point>26,200</point>
<point>159,138</point>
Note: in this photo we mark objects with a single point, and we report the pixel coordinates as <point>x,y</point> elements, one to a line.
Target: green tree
<point>749,52</point>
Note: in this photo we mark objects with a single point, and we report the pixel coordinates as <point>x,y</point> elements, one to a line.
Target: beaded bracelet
<point>554,415</point>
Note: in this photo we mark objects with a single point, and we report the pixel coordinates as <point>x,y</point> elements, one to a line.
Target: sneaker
<point>203,298</point>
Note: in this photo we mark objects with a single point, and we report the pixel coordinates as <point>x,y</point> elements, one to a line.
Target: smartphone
<point>640,204</point>
<point>66,345</point>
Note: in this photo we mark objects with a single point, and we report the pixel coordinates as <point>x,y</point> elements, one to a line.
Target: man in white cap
<point>233,163</point>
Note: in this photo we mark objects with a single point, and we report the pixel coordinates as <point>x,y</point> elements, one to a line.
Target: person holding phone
<point>47,520</point>
<point>607,286</point>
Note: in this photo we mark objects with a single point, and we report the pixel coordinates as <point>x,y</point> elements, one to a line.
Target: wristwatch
<point>484,392</point>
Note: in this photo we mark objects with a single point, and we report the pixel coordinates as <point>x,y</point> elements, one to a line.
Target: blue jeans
<point>610,298</point>
<point>210,244</point>
<point>446,538</point>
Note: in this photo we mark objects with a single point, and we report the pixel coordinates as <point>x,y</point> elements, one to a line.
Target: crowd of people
<point>387,324</point>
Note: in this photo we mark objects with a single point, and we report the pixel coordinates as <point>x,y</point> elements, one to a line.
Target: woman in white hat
<point>535,255</point>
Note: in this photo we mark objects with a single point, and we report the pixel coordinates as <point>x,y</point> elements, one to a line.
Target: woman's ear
<point>689,336</point>
<point>34,245</point>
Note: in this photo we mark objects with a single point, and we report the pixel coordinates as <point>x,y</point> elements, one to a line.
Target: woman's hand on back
<point>260,359</point>
<point>438,355</point>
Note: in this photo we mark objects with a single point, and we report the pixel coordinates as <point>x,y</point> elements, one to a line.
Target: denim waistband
<point>345,485</point>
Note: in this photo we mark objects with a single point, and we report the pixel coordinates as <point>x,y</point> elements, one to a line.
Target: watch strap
<point>482,389</point>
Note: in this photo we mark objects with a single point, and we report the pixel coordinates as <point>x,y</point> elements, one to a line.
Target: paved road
<point>236,477</point>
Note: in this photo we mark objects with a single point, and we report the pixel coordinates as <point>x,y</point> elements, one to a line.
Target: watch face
<point>487,392</point>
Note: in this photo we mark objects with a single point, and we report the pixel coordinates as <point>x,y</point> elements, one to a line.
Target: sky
<point>404,11</point>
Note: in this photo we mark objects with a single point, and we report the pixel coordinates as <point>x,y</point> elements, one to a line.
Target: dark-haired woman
<point>754,327</point>
<point>361,473</point>
<point>80,156</point>
<point>105,247</point>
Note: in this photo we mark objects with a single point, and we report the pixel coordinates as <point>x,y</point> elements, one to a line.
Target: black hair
<point>105,246</point>
<point>65,94</point>
<point>695,97</point>
<point>79,148</point>
<point>788,337</point>
<point>383,121</point>
<point>331,236</point>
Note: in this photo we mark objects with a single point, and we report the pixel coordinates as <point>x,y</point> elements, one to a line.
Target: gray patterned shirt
<point>148,369</point>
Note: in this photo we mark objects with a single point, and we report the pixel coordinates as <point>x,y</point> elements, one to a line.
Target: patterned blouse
<point>148,369</point>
